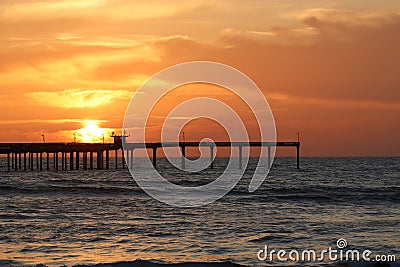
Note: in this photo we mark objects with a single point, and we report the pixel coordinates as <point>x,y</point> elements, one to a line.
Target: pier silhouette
<point>67,156</point>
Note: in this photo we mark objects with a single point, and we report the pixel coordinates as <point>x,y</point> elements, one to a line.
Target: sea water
<point>95,216</point>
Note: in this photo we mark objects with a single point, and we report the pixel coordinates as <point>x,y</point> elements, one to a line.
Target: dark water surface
<point>71,217</point>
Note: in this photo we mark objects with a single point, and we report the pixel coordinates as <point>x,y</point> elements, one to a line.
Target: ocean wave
<point>152,263</point>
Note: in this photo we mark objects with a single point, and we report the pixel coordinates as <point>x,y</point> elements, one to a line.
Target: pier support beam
<point>126,155</point>
<point>116,159</point>
<point>15,162</point>
<point>77,160</point>
<point>269,157</point>
<point>24,161</point>
<point>62,160</point>
<point>240,158</point>
<point>56,158</point>
<point>212,157</point>
<point>132,158</point>
<point>123,158</point>
<point>107,159</point>
<point>99,160</point>
<point>20,160</point>
<point>85,160</point>
<point>47,161</point>
<point>32,155</point>
<point>298,156</point>
<point>71,161</point>
<point>183,150</point>
<point>91,160</point>
<point>37,161</point>
<point>155,157</point>
<point>8,161</point>
<point>54,161</point>
<point>41,161</point>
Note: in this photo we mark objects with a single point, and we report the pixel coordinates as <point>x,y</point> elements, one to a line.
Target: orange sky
<point>329,70</point>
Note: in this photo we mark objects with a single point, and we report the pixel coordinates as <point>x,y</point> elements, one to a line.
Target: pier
<point>67,156</point>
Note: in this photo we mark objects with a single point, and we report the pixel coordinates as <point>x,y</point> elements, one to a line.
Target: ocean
<point>102,216</point>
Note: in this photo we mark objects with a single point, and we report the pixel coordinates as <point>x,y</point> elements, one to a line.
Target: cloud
<point>348,56</point>
<point>51,121</point>
<point>77,98</point>
<point>347,25</point>
<point>48,10</point>
<point>277,35</point>
<point>334,54</point>
<point>42,19</point>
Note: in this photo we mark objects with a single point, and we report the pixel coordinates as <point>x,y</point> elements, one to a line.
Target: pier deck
<point>20,156</point>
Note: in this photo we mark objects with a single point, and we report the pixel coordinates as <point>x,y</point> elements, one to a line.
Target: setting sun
<point>91,132</point>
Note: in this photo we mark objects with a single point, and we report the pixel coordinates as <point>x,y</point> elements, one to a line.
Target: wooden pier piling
<point>91,160</point>
<point>183,152</point>
<point>8,161</point>
<point>77,160</point>
<point>107,159</point>
<point>298,155</point>
<point>155,156</point>
<point>15,162</point>
<point>24,161</point>
<point>99,161</point>
<point>212,157</point>
<point>240,157</point>
<point>41,161</point>
<point>116,158</point>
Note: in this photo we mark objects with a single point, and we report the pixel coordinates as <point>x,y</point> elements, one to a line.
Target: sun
<point>91,132</point>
